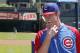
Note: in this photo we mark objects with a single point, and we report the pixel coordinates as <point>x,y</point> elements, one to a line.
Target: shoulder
<point>40,32</point>
<point>73,29</point>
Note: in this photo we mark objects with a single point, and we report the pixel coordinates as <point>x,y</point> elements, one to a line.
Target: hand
<point>53,31</point>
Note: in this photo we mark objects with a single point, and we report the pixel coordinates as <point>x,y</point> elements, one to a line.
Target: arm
<point>77,38</point>
<point>78,41</point>
<point>45,45</point>
<point>37,41</point>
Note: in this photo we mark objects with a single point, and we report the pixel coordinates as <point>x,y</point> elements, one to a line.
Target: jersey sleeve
<point>78,41</point>
<point>37,41</point>
<point>77,38</point>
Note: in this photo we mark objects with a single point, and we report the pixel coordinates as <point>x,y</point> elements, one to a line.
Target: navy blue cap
<point>50,7</point>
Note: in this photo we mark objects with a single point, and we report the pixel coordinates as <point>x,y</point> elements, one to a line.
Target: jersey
<point>64,42</point>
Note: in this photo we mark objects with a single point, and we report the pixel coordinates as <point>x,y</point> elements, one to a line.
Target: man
<point>56,37</point>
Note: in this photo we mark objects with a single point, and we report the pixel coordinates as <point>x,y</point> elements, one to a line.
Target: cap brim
<point>48,13</point>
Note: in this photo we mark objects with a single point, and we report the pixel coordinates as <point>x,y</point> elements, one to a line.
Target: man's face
<point>51,19</point>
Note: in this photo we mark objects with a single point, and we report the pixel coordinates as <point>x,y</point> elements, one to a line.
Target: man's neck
<point>58,24</point>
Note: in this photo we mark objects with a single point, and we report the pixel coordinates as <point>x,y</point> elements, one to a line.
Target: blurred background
<point>21,19</point>
<point>25,15</point>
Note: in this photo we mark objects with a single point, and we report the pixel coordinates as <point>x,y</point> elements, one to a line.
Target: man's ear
<point>58,13</point>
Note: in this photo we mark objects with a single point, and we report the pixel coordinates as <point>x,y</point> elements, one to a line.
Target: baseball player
<point>56,37</point>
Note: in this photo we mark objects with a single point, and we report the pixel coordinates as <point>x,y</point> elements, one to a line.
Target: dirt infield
<point>15,42</point>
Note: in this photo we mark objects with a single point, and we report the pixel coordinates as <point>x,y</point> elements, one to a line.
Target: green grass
<point>5,5</point>
<point>15,49</point>
<point>18,36</point>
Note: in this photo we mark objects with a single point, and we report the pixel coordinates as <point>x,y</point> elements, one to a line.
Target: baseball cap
<point>50,8</point>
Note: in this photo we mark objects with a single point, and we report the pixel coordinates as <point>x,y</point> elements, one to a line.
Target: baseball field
<point>12,42</point>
